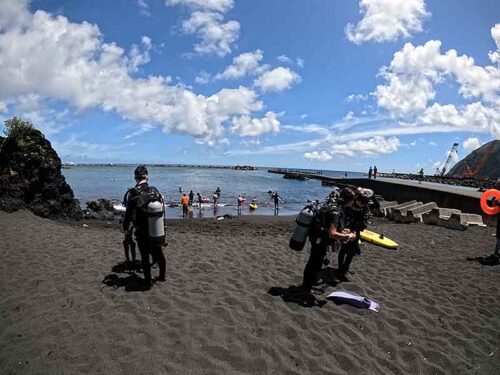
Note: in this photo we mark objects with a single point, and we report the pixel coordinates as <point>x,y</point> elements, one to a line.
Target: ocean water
<point>111,182</point>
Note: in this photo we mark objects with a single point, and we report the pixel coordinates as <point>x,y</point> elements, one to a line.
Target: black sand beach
<point>440,313</point>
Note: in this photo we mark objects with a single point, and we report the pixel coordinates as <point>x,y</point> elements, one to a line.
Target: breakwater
<point>401,190</point>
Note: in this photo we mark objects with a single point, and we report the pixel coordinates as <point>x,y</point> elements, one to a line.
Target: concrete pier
<point>447,196</point>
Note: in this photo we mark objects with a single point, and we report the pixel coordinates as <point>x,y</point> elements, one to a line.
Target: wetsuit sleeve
<point>335,220</point>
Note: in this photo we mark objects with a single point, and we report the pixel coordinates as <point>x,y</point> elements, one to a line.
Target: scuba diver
<point>340,219</point>
<point>276,199</point>
<point>141,201</point>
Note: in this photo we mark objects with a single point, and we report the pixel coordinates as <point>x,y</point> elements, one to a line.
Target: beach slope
<point>440,313</point>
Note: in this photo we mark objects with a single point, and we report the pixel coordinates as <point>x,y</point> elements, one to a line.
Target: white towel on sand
<point>354,300</point>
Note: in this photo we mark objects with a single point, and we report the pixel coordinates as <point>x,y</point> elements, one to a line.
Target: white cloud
<point>356,98</point>
<point>98,74</point>
<point>414,143</point>
<point>432,143</point>
<point>285,59</point>
<point>368,147</point>
<point>471,143</point>
<point>14,13</point>
<point>207,22</point>
<point>303,116</point>
<point>318,156</point>
<point>74,148</point>
<point>253,127</point>
<point>143,128</point>
<point>309,128</point>
<point>387,20</point>
<point>243,64</point>
<point>143,7</point>
<point>409,88</point>
<point>203,78</point>
<point>33,108</point>
<point>300,62</point>
<point>276,80</point>
<point>221,6</point>
<point>495,34</point>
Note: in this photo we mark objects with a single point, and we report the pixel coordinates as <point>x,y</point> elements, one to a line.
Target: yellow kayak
<point>378,239</point>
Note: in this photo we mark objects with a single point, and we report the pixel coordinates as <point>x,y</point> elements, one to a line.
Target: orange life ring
<point>491,193</point>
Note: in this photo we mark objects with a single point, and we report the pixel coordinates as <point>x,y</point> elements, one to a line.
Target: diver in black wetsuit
<point>138,198</point>
<point>335,220</point>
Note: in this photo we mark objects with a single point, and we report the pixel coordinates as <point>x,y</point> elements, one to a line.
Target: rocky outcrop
<point>30,176</point>
<point>102,209</point>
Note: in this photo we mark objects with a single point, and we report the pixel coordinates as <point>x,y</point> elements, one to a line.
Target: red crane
<point>472,173</point>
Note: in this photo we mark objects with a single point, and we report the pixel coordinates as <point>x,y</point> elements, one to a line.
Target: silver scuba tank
<point>156,227</point>
<point>301,231</point>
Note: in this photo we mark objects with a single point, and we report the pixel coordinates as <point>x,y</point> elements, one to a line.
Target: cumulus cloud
<point>387,20</point>
<point>207,22</point>
<point>471,143</point>
<point>98,74</point>
<point>254,127</point>
<point>318,156</point>
<point>367,147</point>
<point>410,81</point>
<point>243,64</point>
<point>277,79</point>
<point>495,34</point>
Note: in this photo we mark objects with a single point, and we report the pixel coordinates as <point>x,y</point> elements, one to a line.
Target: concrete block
<point>453,222</point>
<point>414,215</point>
<point>389,210</point>
<point>398,213</point>
<point>470,219</point>
<point>383,204</point>
<point>387,207</point>
<point>432,217</point>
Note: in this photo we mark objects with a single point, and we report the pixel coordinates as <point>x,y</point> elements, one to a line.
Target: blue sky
<point>316,84</point>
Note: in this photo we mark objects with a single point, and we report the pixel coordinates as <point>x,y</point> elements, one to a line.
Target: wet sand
<point>440,313</point>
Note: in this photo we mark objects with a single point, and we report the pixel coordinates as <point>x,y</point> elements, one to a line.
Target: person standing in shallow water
<point>370,171</point>
<point>375,170</point>
<point>136,214</point>
<point>191,197</point>
<point>185,205</point>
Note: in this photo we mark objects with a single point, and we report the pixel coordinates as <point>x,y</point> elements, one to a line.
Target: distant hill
<point>489,170</point>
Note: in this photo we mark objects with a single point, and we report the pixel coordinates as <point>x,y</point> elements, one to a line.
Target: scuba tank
<point>156,224</point>
<point>303,223</point>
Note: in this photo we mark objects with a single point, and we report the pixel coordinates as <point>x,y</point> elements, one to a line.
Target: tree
<point>16,126</point>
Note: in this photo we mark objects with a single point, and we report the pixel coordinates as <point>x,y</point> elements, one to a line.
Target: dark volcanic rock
<point>102,209</point>
<point>30,177</point>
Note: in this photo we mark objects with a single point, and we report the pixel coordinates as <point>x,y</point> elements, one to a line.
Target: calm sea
<point>111,182</point>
